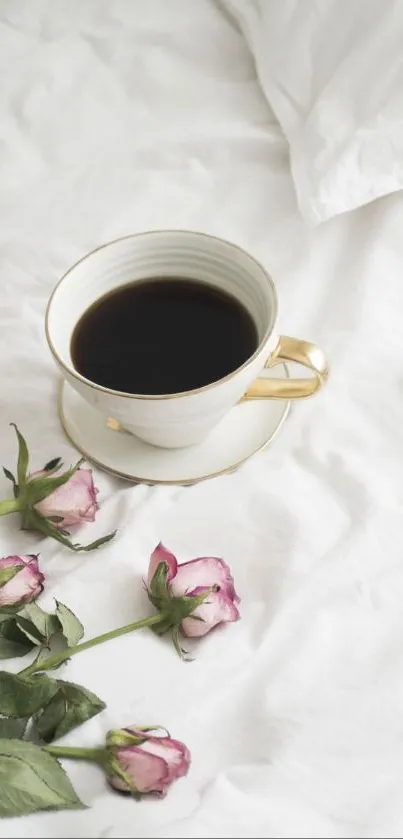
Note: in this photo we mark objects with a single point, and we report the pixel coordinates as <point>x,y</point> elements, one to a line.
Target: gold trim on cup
<point>72,372</point>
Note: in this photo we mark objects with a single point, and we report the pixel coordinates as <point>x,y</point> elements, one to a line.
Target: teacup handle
<point>302,352</point>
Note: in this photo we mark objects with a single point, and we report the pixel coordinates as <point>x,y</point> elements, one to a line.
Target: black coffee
<point>162,336</point>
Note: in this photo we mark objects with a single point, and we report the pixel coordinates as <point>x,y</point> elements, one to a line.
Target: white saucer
<point>245,430</point>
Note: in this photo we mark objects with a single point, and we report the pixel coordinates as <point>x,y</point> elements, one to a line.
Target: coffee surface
<point>161,336</point>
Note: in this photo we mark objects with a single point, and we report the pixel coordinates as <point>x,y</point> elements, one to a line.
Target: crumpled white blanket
<point>118,117</point>
<point>335,83</point>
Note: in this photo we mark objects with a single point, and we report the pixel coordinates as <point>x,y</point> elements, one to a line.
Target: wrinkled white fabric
<point>118,117</point>
<point>333,74</point>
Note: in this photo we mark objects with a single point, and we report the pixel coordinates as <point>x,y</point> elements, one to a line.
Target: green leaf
<point>30,631</point>
<point>166,622</point>
<point>70,707</point>
<point>11,505</point>
<point>29,519</point>
<point>50,718</point>
<point>158,585</point>
<point>53,465</point>
<point>37,522</point>
<point>72,628</point>
<point>41,656</point>
<point>113,767</point>
<point>8,611</point>
<point>12,728</point>
<point>97,544</point>
<point>9,475</point>
<point>22,696</point>
<point>124,737</point>
<point>183,654</point>
<point>32,780</point>
<point>10,649</point>
<point>47,625</point>
<point>13,642</point>
<point>23,457</point>
<point>7,574</point>
<point>184,605</point>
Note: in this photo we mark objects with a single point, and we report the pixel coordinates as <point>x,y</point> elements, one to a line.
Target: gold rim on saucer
<point>160,482</point>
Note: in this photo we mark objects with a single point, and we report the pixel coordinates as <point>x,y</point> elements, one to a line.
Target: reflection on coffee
<point>162,336</point>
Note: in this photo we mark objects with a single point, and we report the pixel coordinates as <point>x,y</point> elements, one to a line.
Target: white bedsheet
<point>123,116</point>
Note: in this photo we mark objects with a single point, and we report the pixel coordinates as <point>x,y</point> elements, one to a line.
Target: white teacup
<point>180,419</point>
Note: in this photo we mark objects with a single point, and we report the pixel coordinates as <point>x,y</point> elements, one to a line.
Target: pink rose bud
<point>71,503</point>
<point>142,760</point>
<point>195,596</point>
<point>51,500</point>
<point>21,580</point>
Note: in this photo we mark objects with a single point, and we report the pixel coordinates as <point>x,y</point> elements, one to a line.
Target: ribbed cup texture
<point>159,254</point>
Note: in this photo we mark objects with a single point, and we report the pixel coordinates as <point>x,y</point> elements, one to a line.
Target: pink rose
<point>25,585</point>
<point>74,501</point>
<point>207,574</point>
<point>53,499</point>
<point>149,761</point>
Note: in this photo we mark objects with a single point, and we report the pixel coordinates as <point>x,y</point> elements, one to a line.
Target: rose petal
<point>216,609</point>
<point>148,772</point>
<point>205,571</point>
<point>74,501</point>
<point>161,554</point>
<point>27,583</point>
<point>15,559</point>
<point>175,754</point>
<point>84,476</point>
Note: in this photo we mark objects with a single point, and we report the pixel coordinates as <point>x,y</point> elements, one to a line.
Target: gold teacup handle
<point>302,352</point>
